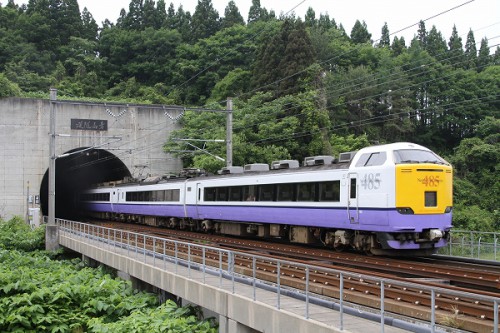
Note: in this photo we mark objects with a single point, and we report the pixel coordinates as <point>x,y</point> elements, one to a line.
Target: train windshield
<point>417,156</point>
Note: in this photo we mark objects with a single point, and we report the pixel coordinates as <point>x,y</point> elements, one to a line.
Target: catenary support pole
<point>229,133</point>
<point>51,232</point>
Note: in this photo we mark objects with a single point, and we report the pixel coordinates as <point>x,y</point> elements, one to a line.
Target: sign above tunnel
<point>89,124</point>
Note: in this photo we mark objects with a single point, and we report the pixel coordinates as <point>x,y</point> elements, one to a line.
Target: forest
<point>301,86</point>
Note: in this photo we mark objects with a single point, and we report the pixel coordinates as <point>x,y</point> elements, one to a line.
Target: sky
<point>482,16</point>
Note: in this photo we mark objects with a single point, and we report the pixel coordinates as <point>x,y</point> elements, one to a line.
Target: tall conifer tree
<point>205,21</point>
<point>470,51</point>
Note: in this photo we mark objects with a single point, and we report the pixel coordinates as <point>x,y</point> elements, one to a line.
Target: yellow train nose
<point>424,188</point>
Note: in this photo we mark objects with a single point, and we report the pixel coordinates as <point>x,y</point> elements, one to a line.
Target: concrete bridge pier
<point>51,238</point>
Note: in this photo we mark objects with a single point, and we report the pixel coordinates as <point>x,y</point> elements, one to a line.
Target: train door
<point>352,198</point>
<point>198,199</point>
<point>115,194</point>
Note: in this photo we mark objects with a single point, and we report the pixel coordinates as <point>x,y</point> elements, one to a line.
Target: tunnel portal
<point>79,170</point>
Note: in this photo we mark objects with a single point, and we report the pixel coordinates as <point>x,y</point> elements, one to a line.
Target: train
<point>391,199</point>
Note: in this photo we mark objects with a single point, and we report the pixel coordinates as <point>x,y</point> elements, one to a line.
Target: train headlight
<point>448,209</point>
<point>405,210</point>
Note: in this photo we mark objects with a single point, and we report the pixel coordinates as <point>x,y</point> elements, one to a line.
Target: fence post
<point>220,269</point>
<point>254,269</point>
<point>341,296</point>
<point>154,251</point>
<point>278,270</point>
<point>307,292</point>
<point>433,310</point>
<point>382,309</point>
<point>495,320</point>
<point>495,247</point>
<point>479,248</point>
<point>176,256</point>
<point>471,245</point>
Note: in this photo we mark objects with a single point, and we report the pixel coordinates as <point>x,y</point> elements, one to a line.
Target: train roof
<point>343,162</point>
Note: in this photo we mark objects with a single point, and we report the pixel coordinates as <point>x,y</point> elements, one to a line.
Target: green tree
<point>7,88</point>
<point>483,59</point>
<point>89,26</point>
<point>134,19</point>
<point>435,44</point>
<point>310,18</point>
<point>297,56</point>
<point>232,16</point>
<point>385,40</point>
<point>256,12</point>
<point>422,34</point>
<point>360,34</point>
<point>209,61</point>
<point>470,51</point>
<point>455,49</point>
<point>398,46</point>
<point>325,24</point>
<point>153,16</point>
<point>205,21</point>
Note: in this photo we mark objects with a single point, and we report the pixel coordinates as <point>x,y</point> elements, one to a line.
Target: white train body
<point>378,201</point>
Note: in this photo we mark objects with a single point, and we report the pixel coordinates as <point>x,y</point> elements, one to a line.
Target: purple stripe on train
<point>378,220</point>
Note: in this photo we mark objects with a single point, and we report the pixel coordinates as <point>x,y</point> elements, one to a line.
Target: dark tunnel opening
<point>77,172</point>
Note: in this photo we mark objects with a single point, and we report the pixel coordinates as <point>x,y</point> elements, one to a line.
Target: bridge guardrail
<point>136,246</point>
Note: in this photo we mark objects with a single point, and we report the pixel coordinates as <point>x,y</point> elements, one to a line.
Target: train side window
<point>266,192</point>
<point>353,188</point>
<point>159,196</point>
<point>285,192</point>
<point>167,194</point>
<point>306,192</point>
<point>250,193</point>
<point>176,195</point>
<point>329,191</point>
<point>236,193</point>
<point>209,194</point>
<point>221,193</point>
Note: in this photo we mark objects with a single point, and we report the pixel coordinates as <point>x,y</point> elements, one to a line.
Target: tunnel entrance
<point>77,172</point>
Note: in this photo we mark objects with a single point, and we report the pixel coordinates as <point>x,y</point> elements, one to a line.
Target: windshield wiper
<point>435,162</point>
<point>409,161</point>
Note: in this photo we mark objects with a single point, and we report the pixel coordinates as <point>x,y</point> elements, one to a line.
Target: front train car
<point>418,184</point>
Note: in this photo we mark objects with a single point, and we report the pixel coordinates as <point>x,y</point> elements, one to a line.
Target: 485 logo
<point>430,181</point>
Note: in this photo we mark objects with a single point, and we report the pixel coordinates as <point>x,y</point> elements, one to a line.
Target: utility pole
<point>229,133</point>
<point>51,232</point>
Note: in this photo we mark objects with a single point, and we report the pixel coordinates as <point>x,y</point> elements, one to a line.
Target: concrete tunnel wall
<point>24,148</point>
<point>74,173</point>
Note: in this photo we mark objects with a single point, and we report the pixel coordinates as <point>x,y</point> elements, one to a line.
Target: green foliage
<point>477,188</point>
<point>8,88</point>
<point>164,318</point>
<point>38,294</point>
<point>474,218</point>
<point>15,234</point>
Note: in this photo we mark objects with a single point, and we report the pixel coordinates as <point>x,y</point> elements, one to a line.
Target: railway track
<point>466,312</point>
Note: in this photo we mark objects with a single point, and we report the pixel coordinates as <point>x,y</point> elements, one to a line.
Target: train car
<point>393,199</point>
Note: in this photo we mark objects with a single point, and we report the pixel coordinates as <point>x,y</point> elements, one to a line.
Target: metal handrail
<point>142,253</point>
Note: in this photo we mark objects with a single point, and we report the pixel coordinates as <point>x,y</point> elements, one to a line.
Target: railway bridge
<point>95,142</point>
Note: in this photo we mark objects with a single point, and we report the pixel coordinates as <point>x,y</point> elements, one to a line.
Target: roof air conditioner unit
<point>256,167</point>
<point>318,160</point>
<point>230,170</point>
<point>346,157</point>
<point>284,164</point>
